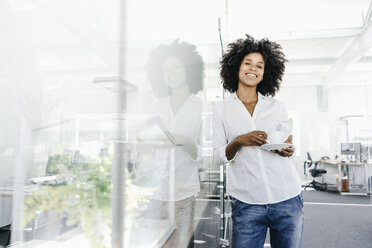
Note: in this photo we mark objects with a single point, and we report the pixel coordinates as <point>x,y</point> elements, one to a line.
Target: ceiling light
<point>115,83</point>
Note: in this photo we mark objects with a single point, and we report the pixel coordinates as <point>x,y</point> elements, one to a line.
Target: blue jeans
<point>284,219</point>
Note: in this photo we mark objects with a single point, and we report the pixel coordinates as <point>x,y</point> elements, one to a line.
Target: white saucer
<point>269,147</point>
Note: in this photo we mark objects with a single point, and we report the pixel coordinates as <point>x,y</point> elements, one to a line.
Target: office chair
<point>314,172</point>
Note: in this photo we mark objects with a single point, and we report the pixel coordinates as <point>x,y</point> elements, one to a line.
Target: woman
<point>264,185</point>
<point>176,74</point>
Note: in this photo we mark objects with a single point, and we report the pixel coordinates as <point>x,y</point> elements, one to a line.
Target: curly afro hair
<point>274,64</point>
<point>190,58</point>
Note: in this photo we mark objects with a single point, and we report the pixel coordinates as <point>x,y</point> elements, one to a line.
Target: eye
<point>260,66</point>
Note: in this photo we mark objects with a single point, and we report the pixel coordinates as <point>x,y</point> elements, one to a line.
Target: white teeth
<point>251,75</point>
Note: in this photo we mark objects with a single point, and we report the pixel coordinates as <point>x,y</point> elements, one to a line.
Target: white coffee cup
<point>275,137</point>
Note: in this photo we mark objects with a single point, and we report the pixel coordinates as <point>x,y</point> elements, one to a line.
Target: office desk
<point>346,168</point>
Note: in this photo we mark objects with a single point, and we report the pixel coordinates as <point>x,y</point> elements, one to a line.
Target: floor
<point>331,220</point>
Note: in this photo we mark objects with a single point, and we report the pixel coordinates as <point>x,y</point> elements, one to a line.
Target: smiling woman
<point>271,57</point>
<point>251,70</point>
<point>264,185</point>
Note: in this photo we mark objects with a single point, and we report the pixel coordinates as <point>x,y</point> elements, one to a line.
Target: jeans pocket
<point>235,204</point>
<point>300,201</point>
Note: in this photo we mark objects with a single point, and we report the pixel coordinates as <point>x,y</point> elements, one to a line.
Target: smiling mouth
<point>251,75</point>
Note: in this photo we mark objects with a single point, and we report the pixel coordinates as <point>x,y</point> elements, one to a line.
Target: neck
<point>247,94</point>
<point>181,93</point>
<point>179,96</point>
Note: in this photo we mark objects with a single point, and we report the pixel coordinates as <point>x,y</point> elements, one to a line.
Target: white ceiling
<point>277,18</point>
<point>80,37</point>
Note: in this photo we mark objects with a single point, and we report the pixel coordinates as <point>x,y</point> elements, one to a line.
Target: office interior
<point>84,159</point>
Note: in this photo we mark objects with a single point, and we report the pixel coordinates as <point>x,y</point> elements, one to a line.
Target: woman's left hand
<point>286,152</point>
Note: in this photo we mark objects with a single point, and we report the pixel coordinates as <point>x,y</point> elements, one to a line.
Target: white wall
<point>322,132</point>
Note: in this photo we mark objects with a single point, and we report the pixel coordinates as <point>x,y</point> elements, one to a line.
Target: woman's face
<point>174,73</point>
<point>251,69</point>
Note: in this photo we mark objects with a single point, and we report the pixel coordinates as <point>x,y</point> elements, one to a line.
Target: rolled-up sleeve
<point>219,137</point>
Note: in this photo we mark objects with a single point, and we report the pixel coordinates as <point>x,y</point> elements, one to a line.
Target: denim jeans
<point>284,219</point>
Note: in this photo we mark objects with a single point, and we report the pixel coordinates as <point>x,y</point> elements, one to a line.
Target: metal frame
<point>225,211</point>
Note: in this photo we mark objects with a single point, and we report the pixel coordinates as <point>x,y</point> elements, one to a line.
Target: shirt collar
<point>260,96</point>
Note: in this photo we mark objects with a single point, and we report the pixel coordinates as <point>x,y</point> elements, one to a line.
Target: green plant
<point>85,197</point>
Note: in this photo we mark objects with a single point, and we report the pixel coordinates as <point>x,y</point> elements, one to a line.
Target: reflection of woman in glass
<point>176,75</point>
<point>264,185</point>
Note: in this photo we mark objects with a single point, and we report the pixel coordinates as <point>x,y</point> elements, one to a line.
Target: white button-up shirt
<point>255,176</point>
<point>186,122</point>
<point>154,170</point>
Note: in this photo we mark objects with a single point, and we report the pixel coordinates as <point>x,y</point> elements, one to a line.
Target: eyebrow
<point>257,62</point>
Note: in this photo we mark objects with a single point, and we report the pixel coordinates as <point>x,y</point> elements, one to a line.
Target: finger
<point>276,151</point>
<point>259,140</point>
<point>261,133</point>
<point>289,149</point>
<point>288,153</point>
<point>285,153</point>
<point>282,153</point>
<point>289,139</point>
<point>250,139</point>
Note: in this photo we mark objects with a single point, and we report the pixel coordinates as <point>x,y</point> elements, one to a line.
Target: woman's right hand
<point>254,138</point>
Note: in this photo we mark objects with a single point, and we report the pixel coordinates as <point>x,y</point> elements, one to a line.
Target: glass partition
<point>106,134</point>
<point>60,125</point>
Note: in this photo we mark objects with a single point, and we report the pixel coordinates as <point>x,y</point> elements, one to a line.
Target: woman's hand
<point>286,152</point>
<point>254,138</point>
